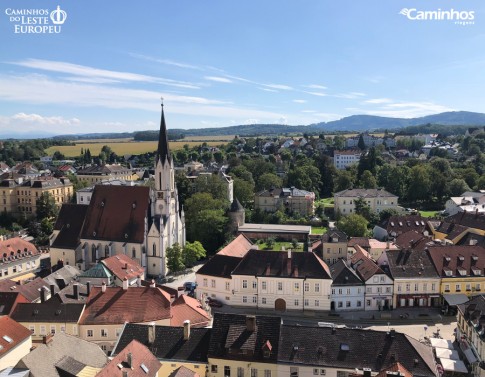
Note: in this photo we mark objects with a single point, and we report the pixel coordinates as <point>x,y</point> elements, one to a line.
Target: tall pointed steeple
<point>163,152</point>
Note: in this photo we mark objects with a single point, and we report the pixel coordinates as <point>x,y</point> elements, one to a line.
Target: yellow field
<point>122,148</point>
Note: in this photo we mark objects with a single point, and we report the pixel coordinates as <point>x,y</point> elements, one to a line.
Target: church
<point>137,221</point>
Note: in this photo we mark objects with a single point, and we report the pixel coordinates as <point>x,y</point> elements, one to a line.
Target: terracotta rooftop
<point>238,247</point>
<point>183,372</point>
<point>122,266</point>
<point>458,261</point>
<point>9,300</point>
<point>16,248</point>
<point>12,334</point>
<point>361,241</point>
<point>30,290</point>
<point>188,308</point>
<point>396,367</point>
<point>135,304</point>
<point>364,265</point>
<point>136,359</point>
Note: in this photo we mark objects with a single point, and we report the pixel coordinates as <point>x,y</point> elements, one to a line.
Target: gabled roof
<point>169,343</point>
<point>278,264</point>
<point>117,306</point>
<point>399,224</point>
<point>342,274</point>
<point>354,348</point>
<point>122,266</point>
<point>49,311</point>
<point>408,263</point>
<point>15,249</point>
<point>364,266</point>
<point>183,372</point>
<point>63,276</point>
<point>117,213</point>
<point>30,290</point>
<point>45,358</point>
<point>219,266</point>
<point>188,308</point>
<point>396,367</point>
<point>66,295</point>
<point>334,234</point>
<point>134,358</point>
<point>69,223</point>
<point>284,192</point>
<point>12,334</point>
<point>238,247</point>
<point>232,337</point>
<point>365,193</point>
<point>467,219</point>
<point>361,241</point>
<point>9,300</point>
<point>458,261</point>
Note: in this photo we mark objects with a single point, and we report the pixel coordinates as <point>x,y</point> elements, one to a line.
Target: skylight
<point>7,338</point>
<point>145,369</point>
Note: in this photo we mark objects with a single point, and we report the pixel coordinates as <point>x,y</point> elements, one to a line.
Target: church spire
<point>163,152</point>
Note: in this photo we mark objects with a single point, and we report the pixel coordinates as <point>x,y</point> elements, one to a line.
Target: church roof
<point>163,152</point>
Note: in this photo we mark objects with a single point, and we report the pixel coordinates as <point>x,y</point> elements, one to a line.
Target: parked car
<point>214,303</point>
<point>190,285</point>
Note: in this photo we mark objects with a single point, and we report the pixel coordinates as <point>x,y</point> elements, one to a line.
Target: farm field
<point>122,148</point>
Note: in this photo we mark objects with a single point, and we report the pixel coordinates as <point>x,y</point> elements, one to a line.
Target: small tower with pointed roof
<point>237,215</point>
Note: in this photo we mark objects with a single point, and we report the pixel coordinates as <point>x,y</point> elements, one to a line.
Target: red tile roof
<point>18,248</point>
<point>9,300</point>
<point>183,372</point>
<point>135,304</point>
<point>187,308</point>
<point>458,261</point>
<point>238,247</point>
<point>396,367</point>
<point>12,334</point>
<point>122,266</point>
<point>364,265</point>
<point>143,362</point>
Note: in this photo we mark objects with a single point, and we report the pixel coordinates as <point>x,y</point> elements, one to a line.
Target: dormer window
<point>448,272</point>
<point>476,271</point>
<point>447,258</point>
<point>474,257</point>
<point>461,258</point>
<point>461,271</point>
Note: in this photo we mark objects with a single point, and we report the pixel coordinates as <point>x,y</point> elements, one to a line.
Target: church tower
<point>168,223</point>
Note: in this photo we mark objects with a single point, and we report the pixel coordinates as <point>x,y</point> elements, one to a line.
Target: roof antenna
<point>162,100</point>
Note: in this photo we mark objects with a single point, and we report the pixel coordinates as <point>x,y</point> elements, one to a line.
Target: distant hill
<point>354,123</point>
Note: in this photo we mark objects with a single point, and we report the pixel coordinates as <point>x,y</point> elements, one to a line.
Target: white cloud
<point>409,109</point>
<point>28,123</point>
<point>165,61</point>
<point>269,90</point>
<point>351,95</point>
<point>218,79</point>
<point>318,94</point>
<point>315,86</point>
<point>378,101</point>
<point>282,120</point>
<point>251,121</point>
<point>299,101</point>
<point>309,111</point>
<point>278,86</point>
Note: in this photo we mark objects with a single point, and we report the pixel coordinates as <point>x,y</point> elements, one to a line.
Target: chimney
<point>251,323</point>
<point>103,287</point>
<point>42,294</point>
<point>125,284</point>
<point>46,339</point>
<point>186,329</point>
<point>289,253</point>
<point>126,266</point>
<point>75,290</point>
<point>124,373</point>
<point>88,287</point>
<point>53,291</point>
<point>138,281</point>
<point>392,333</point>
<point>152,284</point>
<point>151,333</point>
<point>129,360</point>
<point>367,372</point>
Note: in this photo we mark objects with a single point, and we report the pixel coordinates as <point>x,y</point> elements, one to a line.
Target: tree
<point>343,180</point>
<point>361,143</point>
<point>192,252</point>
<point>174,258</point>
<point>244,192</point>
<point>458,186</point>
<point>419,183</point>
<point>212,184</point>
<point>46,206</point>
<point>353,225</point>
<point>367,180</point>
<point>267,181</point>
<point>306,177</point>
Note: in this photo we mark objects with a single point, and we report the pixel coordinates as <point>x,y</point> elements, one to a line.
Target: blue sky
<point>221,63</point>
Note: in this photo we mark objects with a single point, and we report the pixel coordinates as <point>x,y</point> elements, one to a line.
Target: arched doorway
<point>280,305</point>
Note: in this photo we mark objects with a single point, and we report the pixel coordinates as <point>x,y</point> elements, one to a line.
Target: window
<point>315,371</point>
<point>379,289</point>
<point>255,299</point>
<point>214,368</point>
<point>317,287</point>
<point>280,286</point>
<point>228,286</point>
<point>93,253</point>
<point>369,289</point>
<point>458,287</point>
<point>317,303</point>
<point>306,287</point>
<point>333,291</point>
<point>399,288</point>
<point>245,299</point>
<point>255,285</point>
<point>368,303</point>
<point>104,333</point>
<point>89,333</point>
<point>32,329</point>
<point>294,372</point>
<point>106,251</point>
<point>383,279</point>
<point>53,330</point>
<point>340,291</point>
<point>305,302</point>
<point>340,304</point>
<point>297,287</point>
<point>478,287</point>
<point>408,287</point>
<point>416,287</point>
<point>267,373</point>
<point>42,330</point>
<point>348,291</point>
<point>468,287</point>
<point>388,289</point>
<point>322,372</point>
<point>227,371</point>
<point>154,250</point>
<point>263,285</point>
<point>118,332</point>
<point>347,304</point>
<point>359,304</point>
<point>447,287</point>
<point>240,372</point>
<point>133,253</point>
<point>263,300</point>
<point>213,283</point>
<point>433,287</point>
<point>244,284</point>
<point>204,282</point>
<point>297,302</point>
<point>254,372</point>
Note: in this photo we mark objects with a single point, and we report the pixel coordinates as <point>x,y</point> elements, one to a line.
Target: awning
<point>446,353</point>
<point>456,299</point>
<point>453,365</point>
<point>441,343</point>
<point>470,356</point>
<point>23,277</point>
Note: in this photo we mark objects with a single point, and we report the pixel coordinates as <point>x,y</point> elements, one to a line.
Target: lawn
<point>327,202</point>
<point>318,230</point>
<point>278,246</point>
<point>125,147</point>
<point>428,213</point>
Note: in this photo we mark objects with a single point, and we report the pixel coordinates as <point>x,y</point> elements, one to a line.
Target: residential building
<point>473,202</point>
<point>174,347</point>
<point>377,199</point>
<point>64,355</point>
<point>333,246</point>
<point>132,220</point>
<point>15,342</point>
<point>376,247</point>
<point>290,199</point>
<point>277,231</point>
<point>50,317</point>
<point>35,290</point>
<point>416,282</point>
<point>97,173</point>
<point>123,267</point>
<point>306,351</point>
<point>470,332</point>
<point>347,288</point>
<point>455,227</point>
<point>379,287</point>
<point>399,224</point>
<point>19,259</point>
<point>344,159</point>
<point>134,360</point>
<point>9,301</point>
<point>461,268</point>
<point>282,281</point>
<point>244,346</point>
